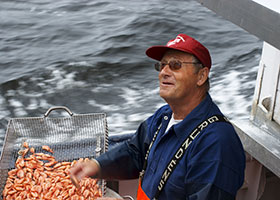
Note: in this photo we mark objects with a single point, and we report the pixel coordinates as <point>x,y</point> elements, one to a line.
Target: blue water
<point>90,56</point>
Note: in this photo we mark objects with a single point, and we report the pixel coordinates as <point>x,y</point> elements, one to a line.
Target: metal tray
<point>71,138</point>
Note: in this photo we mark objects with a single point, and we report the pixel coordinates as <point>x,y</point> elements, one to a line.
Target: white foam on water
<point>3,113</point>
<point>33,105</point>
<point>10,93</point>
<point>141,102</point>
<point>132,97</point>
<point>150,93</point>
<point>64,80</point>
<point>129,113</point>
<point>30,94</point>
<point>19,108</point>
<point>102,87</point>
<point>116,124</point>
<point>15,103</point>
<point>137,95</point>
<point>226,92</point>
<point>80,63</point>
<point>138,117</point>
<point>44,104</point>
<point>103,107</point>
<point>60,80</point>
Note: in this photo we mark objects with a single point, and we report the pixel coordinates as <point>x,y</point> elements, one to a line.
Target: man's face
<point>176,86</point>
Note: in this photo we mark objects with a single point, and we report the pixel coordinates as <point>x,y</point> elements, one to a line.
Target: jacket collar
<point>197,115</point>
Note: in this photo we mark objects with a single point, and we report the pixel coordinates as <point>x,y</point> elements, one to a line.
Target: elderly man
<point>187,149</point>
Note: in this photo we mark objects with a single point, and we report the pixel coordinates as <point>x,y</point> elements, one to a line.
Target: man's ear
<point>202,76</point>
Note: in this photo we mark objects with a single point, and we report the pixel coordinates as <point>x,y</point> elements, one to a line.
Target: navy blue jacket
<point>212,168</point>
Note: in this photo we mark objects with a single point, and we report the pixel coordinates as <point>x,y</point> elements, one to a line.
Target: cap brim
<point>157,52</point>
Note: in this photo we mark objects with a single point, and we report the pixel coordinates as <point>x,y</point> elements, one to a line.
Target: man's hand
<point>89,168</point>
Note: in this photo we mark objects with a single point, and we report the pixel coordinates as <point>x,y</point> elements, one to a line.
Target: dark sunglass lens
<point>157,66</point>
<point>175,65</point>
<point>162,65</point>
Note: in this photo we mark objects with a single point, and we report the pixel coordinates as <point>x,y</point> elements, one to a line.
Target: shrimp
<point>47,148</point>
<point>34,178</point>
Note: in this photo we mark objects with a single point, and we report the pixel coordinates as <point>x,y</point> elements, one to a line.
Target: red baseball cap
<point>183,43</point>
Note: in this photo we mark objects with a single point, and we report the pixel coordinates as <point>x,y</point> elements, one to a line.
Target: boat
<point>260,131</point>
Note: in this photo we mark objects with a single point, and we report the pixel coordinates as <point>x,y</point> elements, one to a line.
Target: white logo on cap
<point>178,39</point>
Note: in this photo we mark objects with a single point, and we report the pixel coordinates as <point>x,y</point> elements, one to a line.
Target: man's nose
<point>165,69</point>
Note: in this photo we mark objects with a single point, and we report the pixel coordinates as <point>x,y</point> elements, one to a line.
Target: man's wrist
<point>98,175</point>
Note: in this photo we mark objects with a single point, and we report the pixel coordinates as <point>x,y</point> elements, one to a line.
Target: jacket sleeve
<point>125,160</point>
<point>197,191</point>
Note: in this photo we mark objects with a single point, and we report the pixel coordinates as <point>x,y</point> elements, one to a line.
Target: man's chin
<point>166,96</point>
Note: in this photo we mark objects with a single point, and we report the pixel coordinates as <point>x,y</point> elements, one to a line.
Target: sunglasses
<point>173,65</point>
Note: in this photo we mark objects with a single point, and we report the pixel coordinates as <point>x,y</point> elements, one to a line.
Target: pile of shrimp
<point>40,176</point>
